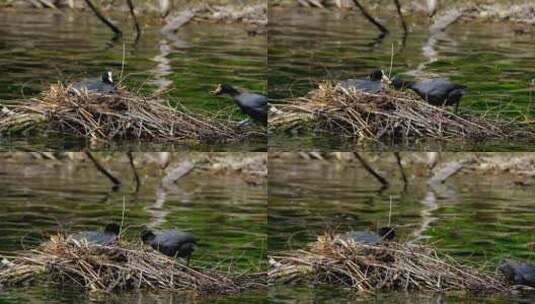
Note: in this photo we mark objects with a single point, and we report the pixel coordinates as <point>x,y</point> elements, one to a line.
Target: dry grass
<point>367,268</point>
<point>123,116</point>
<point>389,115</point>
<point>117,267</point>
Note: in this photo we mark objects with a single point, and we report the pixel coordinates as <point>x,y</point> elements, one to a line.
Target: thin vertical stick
<point>390,212</point>
<point>122,215</point>
<point>122,62</point>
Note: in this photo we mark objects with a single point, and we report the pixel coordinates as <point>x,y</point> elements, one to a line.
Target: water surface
<point>39,198</point>
<point>496,64</point>
<point>478,218</point>
<point>42,47</point>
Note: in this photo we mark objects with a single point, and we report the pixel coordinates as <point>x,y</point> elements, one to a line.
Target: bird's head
<point>376,75</point>
<point>112,228</point>
<point>387,233</point>
<point>107,77</point>
<point>224,89</point>
<point>147,235</point>
<point>398,84</point>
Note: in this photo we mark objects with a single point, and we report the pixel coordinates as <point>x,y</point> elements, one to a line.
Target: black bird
<point>436,91</point>
<point>171,242</point>
<point>371,85</point>
<point>254,105</point>
<point>518,272</point>
<point>367,237</point>
<point>106,237</point>
<point>103,85</point>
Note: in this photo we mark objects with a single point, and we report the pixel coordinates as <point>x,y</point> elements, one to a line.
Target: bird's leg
<point>456,107</point>
<point>187,260</point>
<point>245,122</point>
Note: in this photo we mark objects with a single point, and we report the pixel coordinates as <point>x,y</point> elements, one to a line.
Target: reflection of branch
<point>116,182</point>
<point>370,170</point>
<point>112,26</point>
<point>405,181</point>
<point>448,170</point>
<point>377,40</point>
<point>131,6</point>
<point>370,18</point>
<point>403,24</point>
<point>136,176</point>
<point>430,204</point>
<point>178,172</point>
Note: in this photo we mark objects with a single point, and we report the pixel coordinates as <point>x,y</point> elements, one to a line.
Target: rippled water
<point>476,218</point>
<point>224,212</point>
<point>307,46</point>
<point>42,47</point>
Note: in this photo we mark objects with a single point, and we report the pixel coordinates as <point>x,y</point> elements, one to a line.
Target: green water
<point>308,46</point>
<point>225,213</point>
<point>42,47</point>
<point>477,218</point>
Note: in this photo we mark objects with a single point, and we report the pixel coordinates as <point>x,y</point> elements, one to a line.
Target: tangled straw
<point>117,267</point>
<point>387,115</point>
<point>366,268</point>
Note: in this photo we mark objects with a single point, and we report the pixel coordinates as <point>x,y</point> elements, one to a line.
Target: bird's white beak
<point>109,77</point>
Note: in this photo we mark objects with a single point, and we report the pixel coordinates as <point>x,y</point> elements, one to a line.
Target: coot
<point>367,237</point>
<point>371,85</point>
<point>518,272</point>
<point>103,85</point>
<point>436,91</point>
<point>254,105</point>
<point>106,237</point>
<point>171,242</point>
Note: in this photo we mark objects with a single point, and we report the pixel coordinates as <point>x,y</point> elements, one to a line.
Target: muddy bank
<point>252,12</point>
<point>492,11</point>
<point>519,166</point>
<point>167,167</point>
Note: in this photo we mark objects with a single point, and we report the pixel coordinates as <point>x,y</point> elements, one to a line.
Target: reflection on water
<point>40,47</point>
<point>310,142</point>
<point>497,65</point>
<point>282,294</point>
<point>479,219</point>
<point>225,213</point>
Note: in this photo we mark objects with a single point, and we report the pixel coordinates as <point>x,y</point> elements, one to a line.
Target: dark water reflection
<point>477,219</point>
<point>497,65</point>
<point>224,212</point>
<point>42,47</point>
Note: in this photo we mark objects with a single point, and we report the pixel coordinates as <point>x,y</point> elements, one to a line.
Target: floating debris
<point>120,116</point>
<point>390,266</point>
<point>391,114</point>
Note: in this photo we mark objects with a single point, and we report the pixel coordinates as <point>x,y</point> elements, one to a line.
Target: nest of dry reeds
<point>390,115</point>
<point>121,116</point>
<point>389,266</point>
<point>116,267</point>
